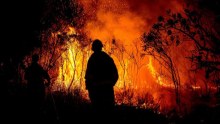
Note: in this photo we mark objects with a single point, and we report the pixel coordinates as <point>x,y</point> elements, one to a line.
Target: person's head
<point>97,45</point>
<point>35,58</point>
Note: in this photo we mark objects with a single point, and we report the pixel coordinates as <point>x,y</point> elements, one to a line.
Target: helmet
<point>97,45</point>
<point>35,58</point>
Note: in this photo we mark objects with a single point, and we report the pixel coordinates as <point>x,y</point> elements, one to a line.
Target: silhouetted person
<point>101,76</point>
<point>37,78</point>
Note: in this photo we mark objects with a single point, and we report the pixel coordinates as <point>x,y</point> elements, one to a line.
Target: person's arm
<point>114,72</point>
<point>47,77</point>
<point>48,80</point>
<point>89,75</point>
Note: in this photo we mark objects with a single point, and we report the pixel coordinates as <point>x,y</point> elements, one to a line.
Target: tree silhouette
<point>60,24</point>
<point>59,12</point>
<point>191,27</point>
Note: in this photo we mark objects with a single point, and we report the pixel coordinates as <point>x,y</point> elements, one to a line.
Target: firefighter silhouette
<point>37,78</point>
<point>101,76</point>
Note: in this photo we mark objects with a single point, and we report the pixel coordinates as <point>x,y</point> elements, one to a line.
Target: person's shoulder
<point>93,55</point>
<point>105,54</point>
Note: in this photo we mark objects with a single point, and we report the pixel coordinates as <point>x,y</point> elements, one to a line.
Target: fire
<point>120,29</point>
<point>119,24</point>
<point>160,80</point>
<point>137,73</point>
<point>72,62</point>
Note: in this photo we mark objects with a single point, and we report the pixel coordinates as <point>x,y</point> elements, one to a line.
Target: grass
<point>61,108</point>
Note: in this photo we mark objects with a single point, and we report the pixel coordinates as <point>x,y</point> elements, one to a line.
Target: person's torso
<point>35,76</point>
<point>101,66</point>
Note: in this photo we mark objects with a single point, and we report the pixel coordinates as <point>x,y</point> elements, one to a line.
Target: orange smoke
<point>124,22</point>
<point>119,24</point>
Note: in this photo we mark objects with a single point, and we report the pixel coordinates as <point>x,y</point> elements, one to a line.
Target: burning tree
<point>60,37</point>
<point>65,50</point>
<point>192,32</point>
<point>130,64</point>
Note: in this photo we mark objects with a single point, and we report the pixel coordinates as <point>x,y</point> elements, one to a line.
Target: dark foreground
<point>61,108</point>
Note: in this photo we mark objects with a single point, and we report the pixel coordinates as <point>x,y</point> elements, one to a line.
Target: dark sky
<point>19,25</point>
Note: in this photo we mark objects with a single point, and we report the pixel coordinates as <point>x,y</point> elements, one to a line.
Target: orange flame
<point>119,25</point>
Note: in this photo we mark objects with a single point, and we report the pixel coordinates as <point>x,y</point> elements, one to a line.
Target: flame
<point>196,87</point>
<point>71,68</point>
<point>113,21</point>
<point>119,24</point>
<point>160,80</point>
<point>138,75</point>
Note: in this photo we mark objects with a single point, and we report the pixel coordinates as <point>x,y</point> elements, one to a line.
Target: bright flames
<point>119,26</point>
<point>137,76</point>
<point>157,76</point>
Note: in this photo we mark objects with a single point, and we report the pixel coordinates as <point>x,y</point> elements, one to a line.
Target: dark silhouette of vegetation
<point>58,17</point>
<point>20,28</point>
<point>62,11</point>
<point>24,22</point>
<point>191,27</point>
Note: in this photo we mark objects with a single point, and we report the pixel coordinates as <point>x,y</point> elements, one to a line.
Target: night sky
<point>20,23</point>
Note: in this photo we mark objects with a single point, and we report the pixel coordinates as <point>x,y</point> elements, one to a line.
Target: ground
<point>61,108</point>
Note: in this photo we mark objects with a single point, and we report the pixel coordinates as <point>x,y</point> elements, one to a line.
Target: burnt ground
<point>60,109</point>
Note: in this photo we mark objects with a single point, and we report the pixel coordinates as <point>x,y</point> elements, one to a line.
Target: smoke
<point>153,8</point>
<point>124,20</point>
